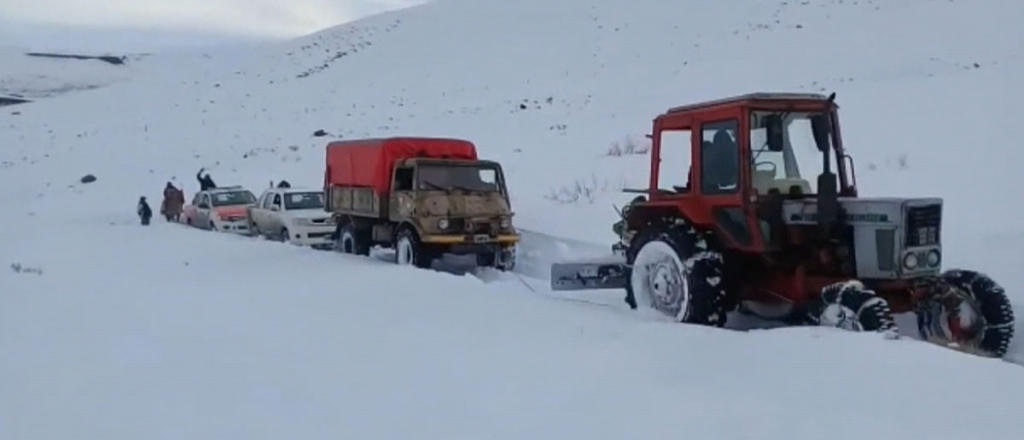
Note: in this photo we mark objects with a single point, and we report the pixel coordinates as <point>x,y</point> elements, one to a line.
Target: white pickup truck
<point>292,215</point>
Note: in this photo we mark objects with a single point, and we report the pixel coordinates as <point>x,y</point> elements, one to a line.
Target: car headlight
<point>443,223</point>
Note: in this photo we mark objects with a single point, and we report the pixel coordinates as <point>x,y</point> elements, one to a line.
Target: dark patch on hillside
<point>7,100</point>
<point>117,61</point>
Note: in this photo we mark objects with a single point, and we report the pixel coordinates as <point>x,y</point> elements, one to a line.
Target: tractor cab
<point>740,158</point>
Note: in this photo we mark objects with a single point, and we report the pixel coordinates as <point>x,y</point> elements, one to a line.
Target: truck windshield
<point>799,162</point>
<point>304,200</point>
<point>458,177</point>
<point>233,198</point>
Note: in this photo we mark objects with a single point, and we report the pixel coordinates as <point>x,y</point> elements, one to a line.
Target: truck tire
<point>349,240</point>
<point>410,251</point>
<point>671,270</point>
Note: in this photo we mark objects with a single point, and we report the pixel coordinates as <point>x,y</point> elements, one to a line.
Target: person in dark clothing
<point>144,211</point>
<point>173,202</point>
<point>284,184</point>
<point>205,182</point>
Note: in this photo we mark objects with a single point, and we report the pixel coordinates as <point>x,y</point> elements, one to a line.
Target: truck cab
<point>424,197</point>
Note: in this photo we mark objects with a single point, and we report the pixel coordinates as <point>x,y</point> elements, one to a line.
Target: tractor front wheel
<point>849,306</point>
<point>967,311</point>
<point>673,272</point>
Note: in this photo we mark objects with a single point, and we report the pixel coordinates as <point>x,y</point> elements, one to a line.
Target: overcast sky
<point>156,23</point>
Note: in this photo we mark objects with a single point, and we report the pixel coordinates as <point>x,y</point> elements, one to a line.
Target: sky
<point>154,24</point>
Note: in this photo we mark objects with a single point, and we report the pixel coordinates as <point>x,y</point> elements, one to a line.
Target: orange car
<point>220,209</point>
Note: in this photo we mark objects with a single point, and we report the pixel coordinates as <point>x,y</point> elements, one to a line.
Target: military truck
<point>423,197</point>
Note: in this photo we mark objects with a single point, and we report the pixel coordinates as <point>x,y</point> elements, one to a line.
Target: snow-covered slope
<point>131,332</point>
<point>37,77</point>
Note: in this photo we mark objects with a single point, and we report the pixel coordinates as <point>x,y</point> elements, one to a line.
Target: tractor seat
<point>765,181</point>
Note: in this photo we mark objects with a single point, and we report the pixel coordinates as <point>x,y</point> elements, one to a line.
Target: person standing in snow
<point>145,213</point>
<point>174,201</point>
<point>205,182</point>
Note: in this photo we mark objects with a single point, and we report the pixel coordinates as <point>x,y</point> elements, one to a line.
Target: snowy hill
<point>35,75</point>
<point>130,332</point>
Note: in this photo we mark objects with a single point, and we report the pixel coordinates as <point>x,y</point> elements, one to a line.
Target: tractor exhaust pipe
<point>828,187</point>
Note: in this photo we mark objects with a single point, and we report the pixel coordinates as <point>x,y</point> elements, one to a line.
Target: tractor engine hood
<point>892,238</point>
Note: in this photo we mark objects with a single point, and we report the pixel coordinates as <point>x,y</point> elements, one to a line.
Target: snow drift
<point>111,330</point>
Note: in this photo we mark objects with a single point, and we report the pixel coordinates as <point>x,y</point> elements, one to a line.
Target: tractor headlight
<point>443,223</point>
<point>910,261</point>
<point>934,258</point>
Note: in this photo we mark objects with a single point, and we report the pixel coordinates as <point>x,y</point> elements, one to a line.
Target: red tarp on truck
<point>367,163</point>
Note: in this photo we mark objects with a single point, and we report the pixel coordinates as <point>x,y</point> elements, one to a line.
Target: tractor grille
<point>923,225</point>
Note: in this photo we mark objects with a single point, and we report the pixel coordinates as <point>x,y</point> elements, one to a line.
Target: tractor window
<point>720,158</point>
<point>674,167</point>
<point>792,171</point>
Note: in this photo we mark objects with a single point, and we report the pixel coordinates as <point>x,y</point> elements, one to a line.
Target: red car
<point>220,209</point>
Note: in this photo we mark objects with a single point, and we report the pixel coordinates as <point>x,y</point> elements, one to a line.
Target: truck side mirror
<point>821,127</point>
<point>775,132</point>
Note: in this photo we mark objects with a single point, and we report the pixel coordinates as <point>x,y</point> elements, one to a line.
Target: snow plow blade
<point>588,275</point>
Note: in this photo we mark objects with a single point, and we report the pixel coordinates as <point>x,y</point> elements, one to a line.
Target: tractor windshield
<point>797,166</point>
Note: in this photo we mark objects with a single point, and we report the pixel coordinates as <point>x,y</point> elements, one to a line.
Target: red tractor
<point>751,229</point>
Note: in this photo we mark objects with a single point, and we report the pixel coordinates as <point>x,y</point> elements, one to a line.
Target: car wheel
<point>284,237</point>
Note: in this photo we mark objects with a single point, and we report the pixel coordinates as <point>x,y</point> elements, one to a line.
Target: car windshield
<point>799,162</point>
<point>304,200</point>
<point>458,177</point>
<point>233,198</point>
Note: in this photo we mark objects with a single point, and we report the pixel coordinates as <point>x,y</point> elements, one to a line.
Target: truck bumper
<point>504,240</point>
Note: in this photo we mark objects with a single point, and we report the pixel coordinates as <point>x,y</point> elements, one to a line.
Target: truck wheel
<point>951,314</point>
<point>410,251</point>
<point>673,271</point>
<point>350,241</point>
<point>848,305</point>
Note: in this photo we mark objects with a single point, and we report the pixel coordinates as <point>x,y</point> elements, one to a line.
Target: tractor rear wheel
<point>673,272</point>
<point>969,310</point>
<point>848,305</point>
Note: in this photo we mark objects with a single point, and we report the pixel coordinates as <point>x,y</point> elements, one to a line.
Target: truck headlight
<point>505,223</point>
<point>934,258</point>
<point>443,223</point>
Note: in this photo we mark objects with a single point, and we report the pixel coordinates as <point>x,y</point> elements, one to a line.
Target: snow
<point>110,330</point>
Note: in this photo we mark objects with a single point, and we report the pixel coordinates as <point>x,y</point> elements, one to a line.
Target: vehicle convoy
<point>292,215</point>
<point>424,197</point>
<point>750,229</point>
<point>220,209</point>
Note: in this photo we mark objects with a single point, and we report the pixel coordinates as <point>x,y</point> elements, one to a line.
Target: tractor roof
<point>751,99</point>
